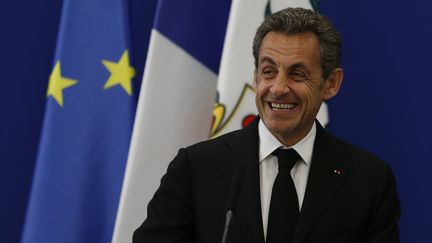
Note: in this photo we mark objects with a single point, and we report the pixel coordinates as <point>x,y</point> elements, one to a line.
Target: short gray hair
<point>299,20</point>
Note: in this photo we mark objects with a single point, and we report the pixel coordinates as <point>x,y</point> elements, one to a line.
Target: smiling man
<point>291,85</point>
<point>285,176</point>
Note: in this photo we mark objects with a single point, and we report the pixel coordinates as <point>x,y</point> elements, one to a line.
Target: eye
<point>298,76</point>
<point>268,72</point>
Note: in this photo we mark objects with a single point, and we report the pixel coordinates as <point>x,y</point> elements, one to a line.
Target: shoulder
<point>363,165</point>
<point>214,146</point>
<point>359,155</point>
<point>228,141</point>
<point>348,152</point>
<point>361,158</point>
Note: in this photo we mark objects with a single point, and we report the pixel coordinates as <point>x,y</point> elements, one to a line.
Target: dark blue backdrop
<point>382,106</point>
<point>28,38</point>
<point>384,102</point>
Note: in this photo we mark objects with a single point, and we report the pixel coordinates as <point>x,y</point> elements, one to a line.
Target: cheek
<point>309,92</point>
<point>261,89</point>
<point>267,84</point>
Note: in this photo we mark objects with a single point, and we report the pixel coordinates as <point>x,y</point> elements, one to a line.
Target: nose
<point>280,86</point>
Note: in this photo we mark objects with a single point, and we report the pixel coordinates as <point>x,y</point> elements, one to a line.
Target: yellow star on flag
<point>57,84</point>
<point>121,73</point>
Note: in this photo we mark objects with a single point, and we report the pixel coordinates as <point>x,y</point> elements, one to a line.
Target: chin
<point>281,127</point>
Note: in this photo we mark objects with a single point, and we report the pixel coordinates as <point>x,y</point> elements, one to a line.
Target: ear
<point>255,82</point>
<point>333,83</point>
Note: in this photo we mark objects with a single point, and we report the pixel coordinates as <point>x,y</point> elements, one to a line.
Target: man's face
<point>289,84</point>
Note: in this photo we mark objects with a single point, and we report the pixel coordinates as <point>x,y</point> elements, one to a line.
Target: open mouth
<point>282,106</point>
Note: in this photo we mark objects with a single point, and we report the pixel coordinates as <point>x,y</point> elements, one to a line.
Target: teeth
<point>282,106</point>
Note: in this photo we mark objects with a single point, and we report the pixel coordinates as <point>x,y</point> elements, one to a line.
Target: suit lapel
<point>327,174</point>
<point>243,148</point>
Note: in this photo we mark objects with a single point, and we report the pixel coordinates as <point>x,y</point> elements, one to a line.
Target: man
<point>340,193</point>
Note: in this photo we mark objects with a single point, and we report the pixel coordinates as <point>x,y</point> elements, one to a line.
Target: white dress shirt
<point>268,166</point>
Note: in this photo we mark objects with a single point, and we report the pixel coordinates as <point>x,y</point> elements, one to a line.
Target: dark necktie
<point>284,208</point>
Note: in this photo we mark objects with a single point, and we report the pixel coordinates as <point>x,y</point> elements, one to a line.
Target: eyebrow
<point>267,59</point>
<point>298,65</point>
<point>292,66</point>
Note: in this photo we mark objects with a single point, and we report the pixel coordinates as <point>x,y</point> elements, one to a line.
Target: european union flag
<point>90,109</point>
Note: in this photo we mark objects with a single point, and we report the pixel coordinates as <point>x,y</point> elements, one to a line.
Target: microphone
<point>232,198</point>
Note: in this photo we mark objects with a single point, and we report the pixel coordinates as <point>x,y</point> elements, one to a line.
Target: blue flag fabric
<point>91,101</point>
<point>198,26</point>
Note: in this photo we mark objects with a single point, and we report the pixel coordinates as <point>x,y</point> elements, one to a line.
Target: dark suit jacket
<point>350,195</point>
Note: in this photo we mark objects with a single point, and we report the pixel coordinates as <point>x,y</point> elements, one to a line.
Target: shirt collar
<point>269,143</point>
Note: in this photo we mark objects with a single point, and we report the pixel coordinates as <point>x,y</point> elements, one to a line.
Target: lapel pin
<point>337,172</point>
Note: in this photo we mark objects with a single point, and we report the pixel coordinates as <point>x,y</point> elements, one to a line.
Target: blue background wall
<point>27,42</point>
<point>383,105</point>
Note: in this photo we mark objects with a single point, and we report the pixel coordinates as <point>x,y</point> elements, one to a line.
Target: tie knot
<point>286,158</point>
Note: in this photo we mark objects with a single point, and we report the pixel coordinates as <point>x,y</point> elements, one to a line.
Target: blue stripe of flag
<point>197,26</point>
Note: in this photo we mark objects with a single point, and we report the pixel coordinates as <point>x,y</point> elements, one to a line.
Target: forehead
<point>280,47</point>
